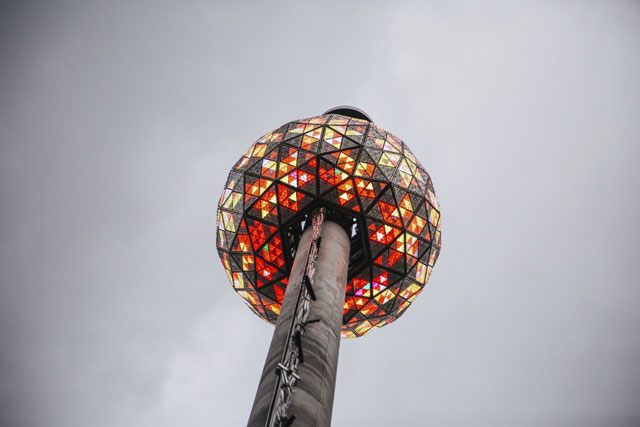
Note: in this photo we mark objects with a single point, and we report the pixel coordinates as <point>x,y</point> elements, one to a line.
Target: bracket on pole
<point>298,338</point>
<point>309,286</point>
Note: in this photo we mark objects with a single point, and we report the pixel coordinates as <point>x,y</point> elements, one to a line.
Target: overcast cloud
<point>119,122</point>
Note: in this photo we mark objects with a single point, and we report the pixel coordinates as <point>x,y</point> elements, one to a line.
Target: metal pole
<point>297,383</point>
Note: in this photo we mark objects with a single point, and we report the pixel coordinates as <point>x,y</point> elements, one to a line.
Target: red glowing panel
<point>361,287</point>
<point>380,283</point>
<point>390,213</point>
<point>370,308</point>
<point>243,244</point>
<point>354,303</point>
<point>289,198</point>
<point>265,270</point>
<point>389,258</point>
<point>260,232</point>
<point>267,205</point>
<point>272,252</point>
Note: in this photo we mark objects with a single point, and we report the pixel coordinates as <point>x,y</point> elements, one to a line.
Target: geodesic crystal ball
<point>348,165</point>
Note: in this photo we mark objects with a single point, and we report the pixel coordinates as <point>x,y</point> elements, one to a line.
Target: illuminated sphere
<point>355,169</point>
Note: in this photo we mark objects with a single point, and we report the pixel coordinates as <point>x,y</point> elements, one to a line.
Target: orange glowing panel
<point>333,138</point>
<point>345,161</point>
<point>365,169</point>
<point>332,176</point>
<point>417,224</point>
<point>257,188</point>
<point>383,234</point>
<point>365,188</point>
<point>346,192</point>
<point>406,208</point>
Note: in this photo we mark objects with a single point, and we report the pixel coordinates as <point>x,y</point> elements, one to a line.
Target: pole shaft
<point>312,399</point>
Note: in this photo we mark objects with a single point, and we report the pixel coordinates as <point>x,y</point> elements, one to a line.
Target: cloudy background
<point>119,122</point>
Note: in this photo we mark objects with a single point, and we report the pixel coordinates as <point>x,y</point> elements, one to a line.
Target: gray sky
<point>118,124</point>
